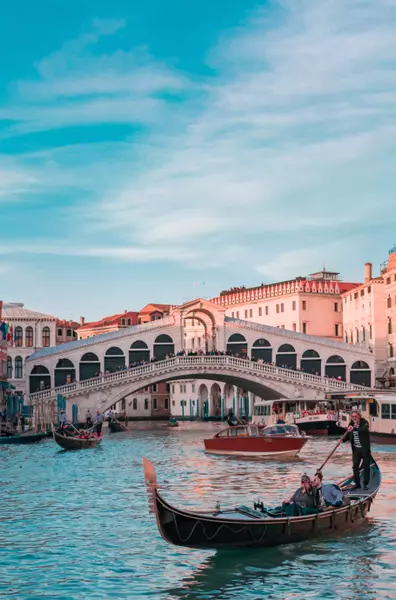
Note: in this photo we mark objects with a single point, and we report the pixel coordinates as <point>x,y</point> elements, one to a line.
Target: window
<point>233,315</point>
<point>356,295</point>
<point>173,403</point>
<point>166,403</point>
<point>59,332</point>
<point>369,289</point>
<point>199,342</point>
<point>68,332</point>
<point>266,310</point>
<point>155,387</point>
<point>173,389</point>
<point>304,305</point>
<point>29,337</point>
<point>389,302</point>
<point>145,404</point>
<point>385,411</point>
<point>246,314</point>
<point>357,336</point>
<point>18,336</point>
<point>192,342</point>
<point>168,387</point>
<point>364,333</point>
<point>337,329</point>
<point>129,322</point>
<point>46,337</point>
<point>390,351</point>
<point>304,328</point>
<point>134,404</point>
<point>389,325</point>
<point>294,305</point>
<point>335,306</point>
<point>193,388</point>
<point>193,323</point>
<point>260,311</point>
<point>393,413</point>
<point>251,313</point>
<point>123,404</point>
<point>388,280</point>
<point>282,307</point>
<point>362,292</point>
<point>346,338</point>
<point>9,367</point>
<point>122,321</point>
<point>351,337</point>
<point>277,308</point>
<point>294,326</point>
<point>237,315</point>
<point>18,368</point>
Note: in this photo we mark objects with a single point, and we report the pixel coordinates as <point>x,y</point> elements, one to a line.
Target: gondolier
<point>99,418</point>
<point>62,422</point>
<point>359,436</point>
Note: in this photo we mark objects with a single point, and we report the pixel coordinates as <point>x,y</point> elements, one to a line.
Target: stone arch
<point>335,367</point>
<point>237,344</point>
<point>215,400</point>
<point>138,352</point>
<point>361,373</point>
<point>89,366</point>
<point>203,400</point>
<point>114,359</point>
<point>163,346</point>
<point>311,362</point>
<point>64,372</point>
<point>192,314</point>
<point>39,379</point>
<point>286,357</point>
<point>262,349</point>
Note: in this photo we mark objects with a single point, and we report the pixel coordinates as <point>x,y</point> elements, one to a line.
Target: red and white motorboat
<point>254,441</point>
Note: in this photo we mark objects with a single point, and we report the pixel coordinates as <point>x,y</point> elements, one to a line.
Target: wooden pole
<point>332,452</point>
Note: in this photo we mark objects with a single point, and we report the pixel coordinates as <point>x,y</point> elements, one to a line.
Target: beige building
<point>389,302</point>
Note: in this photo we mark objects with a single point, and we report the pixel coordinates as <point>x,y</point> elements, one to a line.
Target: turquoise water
<point>76,525</point>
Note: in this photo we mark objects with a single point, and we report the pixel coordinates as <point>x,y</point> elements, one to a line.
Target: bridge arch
<point>39,379</point>
<point>215,400</point>
<point>89,366</point>
<point>336,367</point>
<point>203,400</point>
<point>286,356</point>
<point>311,362</point>
<point>262,349</point>
<point>114,359</point>
<point>361,373</point>
<point>138,352</point>
<point>237,344</point>
<point>163,346</point>
<point>65,372</point>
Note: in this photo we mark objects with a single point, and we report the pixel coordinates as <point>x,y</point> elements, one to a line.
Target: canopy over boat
<point>244,526</point>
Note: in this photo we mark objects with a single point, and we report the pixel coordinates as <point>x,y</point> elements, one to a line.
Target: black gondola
<point>116,426</point>
<point>244,526</point>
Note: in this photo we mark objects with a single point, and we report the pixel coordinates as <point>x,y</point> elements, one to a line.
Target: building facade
<point>389,302</point>
<point>3,357</point>
<point>106,325</point>
<point>66,331</point>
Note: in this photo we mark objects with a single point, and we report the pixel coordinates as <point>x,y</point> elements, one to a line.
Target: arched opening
<point>134,404</point>
<point>89,366</point>
<point>286,357</point>
<point>39,379</point>
<point>336,368</point>
<point>9,367</point>
<point>262,350</point>
<point>139,352</point>
<point>237,344</point>
<point>146,404</point>
<point>361,373</point>
<point>311,362</point>
<point>18,337</point>
<point>208,321</point>
<point>215,400</point>
<point>46,337</point>
<point>18,367</point>
<point>163,347</point>
<point>64,372</point>
<point>203,401</point>
<point>114,359</point>
<point>29,337</point>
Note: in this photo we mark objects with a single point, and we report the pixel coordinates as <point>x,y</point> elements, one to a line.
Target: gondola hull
<point>116,426</point>
<point>243,527</point>
<point>75,443</point>
<point>24,438</point>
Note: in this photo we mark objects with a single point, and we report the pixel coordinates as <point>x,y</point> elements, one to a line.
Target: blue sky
<point>162,151</point>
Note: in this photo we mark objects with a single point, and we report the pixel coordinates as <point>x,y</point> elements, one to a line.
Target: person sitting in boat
<point>231,419</point>
<point>327,494</point>
<point>305,497</point>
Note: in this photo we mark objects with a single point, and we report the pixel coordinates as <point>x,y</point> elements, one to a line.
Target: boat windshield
<point>281,430</point>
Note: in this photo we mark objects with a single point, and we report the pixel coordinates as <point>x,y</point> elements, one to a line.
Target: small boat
<point>24,438</point>
<point>253,441</point>
<point>74,442</point>
<point>172,422</point>
<point>243,526</point>
<point>116,426</point>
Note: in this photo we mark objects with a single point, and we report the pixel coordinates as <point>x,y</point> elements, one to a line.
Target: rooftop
<point>16,310</point>
<point>111,320</point>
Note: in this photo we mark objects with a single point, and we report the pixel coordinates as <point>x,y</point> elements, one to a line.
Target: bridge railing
<point>178,363</point>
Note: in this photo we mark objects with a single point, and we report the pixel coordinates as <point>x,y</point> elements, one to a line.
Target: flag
<point>10,336</point>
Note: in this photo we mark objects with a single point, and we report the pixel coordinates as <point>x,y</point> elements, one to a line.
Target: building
<point>152,402</point>
<point>152,312</point>
<point>3,356</point>
<point>389,299</point>
<point>364,320</point>
<point>66,331</point>
<point>310,305</point>
<point>106,325</point>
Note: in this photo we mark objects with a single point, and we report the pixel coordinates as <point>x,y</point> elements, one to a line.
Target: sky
<point>161,151</point>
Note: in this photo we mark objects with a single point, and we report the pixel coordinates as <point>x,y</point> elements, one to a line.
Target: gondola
<point>243,526</point>
<point>23,438</point>
<point>116,426</point>
<point>74,442</point>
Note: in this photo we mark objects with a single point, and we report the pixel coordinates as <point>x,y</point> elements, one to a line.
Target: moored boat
<point>252,441</point>
<point>243,526</point>
<point>172,422</point>
<point>75,442</point>
<point>24,438</point>
<point>117,426</point>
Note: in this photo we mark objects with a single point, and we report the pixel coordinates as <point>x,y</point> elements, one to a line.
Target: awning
<point>4,385</point>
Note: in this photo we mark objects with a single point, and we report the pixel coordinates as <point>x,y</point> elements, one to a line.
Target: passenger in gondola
<point>359,436</point>
<point>327,494</point>
<point>304,499</point>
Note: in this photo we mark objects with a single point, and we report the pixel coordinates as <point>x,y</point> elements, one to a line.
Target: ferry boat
<point>377,407</point>
<point>315,417</point>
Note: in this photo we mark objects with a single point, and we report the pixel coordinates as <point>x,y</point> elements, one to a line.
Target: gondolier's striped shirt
<point>356,438</point>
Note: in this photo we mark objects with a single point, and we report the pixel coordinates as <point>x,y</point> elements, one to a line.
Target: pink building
<point>3,357</point>
<point>310,305</point>
<point>389,302</point>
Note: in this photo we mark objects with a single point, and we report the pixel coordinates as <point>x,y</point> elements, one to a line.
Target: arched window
<point>146,404</point>
<point>361,373</point>
<point>135,404</point>
<point>139,352</point>
<point>390,351</point>
<point>64,372</point>
<point>9,367</point>
<point>89,366</point>
<point>114,359</point>
<point>286,357</point>
<point>237,344</point>
<point>163,346</point>
<point>311,362</point>
<point>155,403</point>
<point>123,404</point>
<point>40,379</point>
<point>261,349</point>
<point>46,337</point>
<point>166,404</point>
<point>18,368</point>
<point>389,302</point>
<point>18,337</point>
<point>29,337</point>
<point>389,325</point>
<point>336,368</point>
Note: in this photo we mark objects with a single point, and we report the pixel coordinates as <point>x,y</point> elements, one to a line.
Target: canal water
<point>75,525</point>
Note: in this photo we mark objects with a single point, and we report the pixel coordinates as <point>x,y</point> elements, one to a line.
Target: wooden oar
<point>332,452</point>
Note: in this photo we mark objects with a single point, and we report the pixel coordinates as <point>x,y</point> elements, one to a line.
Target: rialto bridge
<point>270,362</point>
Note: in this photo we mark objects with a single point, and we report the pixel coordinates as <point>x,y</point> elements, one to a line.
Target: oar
<point>332,452</point>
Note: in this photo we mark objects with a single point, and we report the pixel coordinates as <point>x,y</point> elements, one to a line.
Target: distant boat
<point>116,426</point>
<point>23,438</point>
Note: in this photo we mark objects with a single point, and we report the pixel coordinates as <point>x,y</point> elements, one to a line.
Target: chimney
<point>82,320</point>
<point>368,272</point>
<point>125,311</point>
